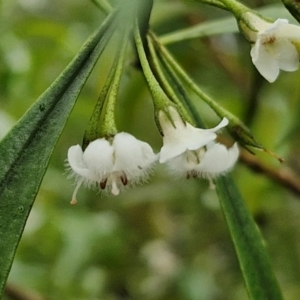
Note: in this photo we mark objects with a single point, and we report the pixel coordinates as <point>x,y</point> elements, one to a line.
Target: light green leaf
<point>26,150</point>
<point>257,271</point>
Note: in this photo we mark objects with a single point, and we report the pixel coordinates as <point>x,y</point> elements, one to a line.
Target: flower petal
<point>275,27</point>
<point>275,49</point>
<point>288,57</point>
<point>222,124</point>
<point>217,160</point>
<point>98,157</point>
<point>190,139</point>
<point>265,63</point>
<point>132,156</point>
<point>183,136</point>
<point>281,29</point>
<point>75,160</point>
<point>184,163</point>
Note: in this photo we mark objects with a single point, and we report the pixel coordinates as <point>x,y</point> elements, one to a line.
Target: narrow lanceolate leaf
<point>26,150</point>
<point>257,271</point>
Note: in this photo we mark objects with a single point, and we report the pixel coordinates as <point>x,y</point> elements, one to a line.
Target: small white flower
<point>192,151</point>
<point>275,48</point>
<point>111,164</point>
<point>209,162</point>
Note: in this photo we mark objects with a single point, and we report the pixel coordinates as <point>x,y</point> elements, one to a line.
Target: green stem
<point>109,127</point>
<point>220,111</point>
<point>92,131</point>
<point>215,3</point>
<point>160,99</point>
<point>165,83</point>
<point>235,7</point>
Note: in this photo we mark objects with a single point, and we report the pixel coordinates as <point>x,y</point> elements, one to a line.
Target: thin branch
<point>253,101</point>
<point>284,176</point>
<point>15,292</point>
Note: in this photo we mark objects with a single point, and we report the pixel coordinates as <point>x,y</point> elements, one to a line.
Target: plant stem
<point>159,97</point>
<point>215,3</point>
<point>109,127</point>
<point>165,83</point>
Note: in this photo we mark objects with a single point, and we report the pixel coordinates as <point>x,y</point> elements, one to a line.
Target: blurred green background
<point>166,239</point>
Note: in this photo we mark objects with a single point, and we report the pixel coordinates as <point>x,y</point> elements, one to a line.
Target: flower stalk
<point>160,99</point>
<point>235,7</point>
<point>109,127</point>
<point>169,90</point>
<point>215,3</point>
<point>92,130</point>
<point>238,129</point>
<point>102,122</point>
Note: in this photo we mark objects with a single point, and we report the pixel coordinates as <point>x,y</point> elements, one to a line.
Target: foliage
<point>167,238</point>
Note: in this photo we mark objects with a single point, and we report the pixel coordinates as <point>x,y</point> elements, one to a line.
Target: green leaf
<point>25,152</point>
<point>258,274</point>
<point>293,7</point>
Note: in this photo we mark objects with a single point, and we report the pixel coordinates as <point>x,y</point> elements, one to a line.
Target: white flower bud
<point>111,165</point>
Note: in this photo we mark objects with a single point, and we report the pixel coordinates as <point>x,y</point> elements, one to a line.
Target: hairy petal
<point>75,160</point>
<point>217,160</point>
<point>132,155</point>
<point>99,158</point>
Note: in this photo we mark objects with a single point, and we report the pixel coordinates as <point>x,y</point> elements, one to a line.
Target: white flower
<point>207,163</point>
<point>192,151</point>
<point>275,48</point>
<point>111,164</point>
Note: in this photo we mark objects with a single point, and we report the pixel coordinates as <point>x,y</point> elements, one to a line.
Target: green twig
<point>165,83</point>
<point>215,3</point>
<point>109,127</point>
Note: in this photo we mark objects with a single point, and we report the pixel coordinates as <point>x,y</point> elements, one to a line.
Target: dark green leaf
<point>258,274</point>
<point>26,150</point>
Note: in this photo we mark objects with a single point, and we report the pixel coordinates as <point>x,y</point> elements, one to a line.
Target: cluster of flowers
<point>124,160</point>
<point>116,160</point>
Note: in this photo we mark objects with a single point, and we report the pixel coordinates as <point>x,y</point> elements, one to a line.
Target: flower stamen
<point>103,184</point>
<point>114,187</point>
<point>124,179</point>
<point>74,200</point>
